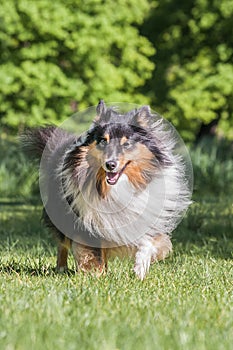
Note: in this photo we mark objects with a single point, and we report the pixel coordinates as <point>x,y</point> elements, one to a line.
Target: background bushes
<point>58,57</point>
<point>61,56</point>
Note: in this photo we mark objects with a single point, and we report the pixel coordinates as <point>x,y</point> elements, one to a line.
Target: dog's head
<point>120,144</point>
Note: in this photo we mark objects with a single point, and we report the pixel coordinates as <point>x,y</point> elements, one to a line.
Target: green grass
<point>213,167</point>
<point>185,302</point>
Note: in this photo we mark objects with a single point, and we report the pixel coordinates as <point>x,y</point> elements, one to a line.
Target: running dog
<point>120,187</point>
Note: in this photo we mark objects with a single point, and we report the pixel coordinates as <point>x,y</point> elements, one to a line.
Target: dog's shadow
<point>23,269</point>
<point>205,230</point>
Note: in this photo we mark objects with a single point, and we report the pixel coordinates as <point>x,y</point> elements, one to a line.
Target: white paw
<point>146,253</point>
<point>141,266</point>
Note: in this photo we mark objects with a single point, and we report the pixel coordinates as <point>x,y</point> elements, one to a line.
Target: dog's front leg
<point>62,254</point>
<point>89,259</point>
<point>150,249</point>
<point>144,254</point>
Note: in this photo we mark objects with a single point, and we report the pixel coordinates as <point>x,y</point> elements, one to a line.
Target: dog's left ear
<point>142,117</point>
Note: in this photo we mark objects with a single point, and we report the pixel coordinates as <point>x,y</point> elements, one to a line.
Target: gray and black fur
<point>86,180</point>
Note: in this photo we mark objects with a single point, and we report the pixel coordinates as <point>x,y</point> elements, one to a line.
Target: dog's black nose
<point>111,165</point>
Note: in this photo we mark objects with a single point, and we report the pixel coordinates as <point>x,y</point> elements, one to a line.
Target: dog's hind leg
<point>62,254</point>
<point>64,243</point>
<point>149,250</point>
<point>163,244</point>
<point>89,259</point>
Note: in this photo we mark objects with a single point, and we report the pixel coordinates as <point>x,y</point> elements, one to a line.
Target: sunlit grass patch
<point>185,302</point>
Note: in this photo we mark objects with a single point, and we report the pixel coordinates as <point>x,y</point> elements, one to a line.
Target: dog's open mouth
<point>112,177</point>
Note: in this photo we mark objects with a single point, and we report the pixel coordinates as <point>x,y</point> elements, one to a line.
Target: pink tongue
<point>112,177</point>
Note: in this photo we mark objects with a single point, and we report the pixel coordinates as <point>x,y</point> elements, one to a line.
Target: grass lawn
<point>185,302</point>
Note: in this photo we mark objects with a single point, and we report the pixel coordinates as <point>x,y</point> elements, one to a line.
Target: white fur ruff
<point>126,215</point>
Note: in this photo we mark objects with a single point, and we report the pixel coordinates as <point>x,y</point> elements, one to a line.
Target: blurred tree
<point>60,56</point>
<point>193,82</point>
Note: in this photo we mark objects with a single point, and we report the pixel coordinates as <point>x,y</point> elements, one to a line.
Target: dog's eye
<point>127,144</point>
<point>102,142</point>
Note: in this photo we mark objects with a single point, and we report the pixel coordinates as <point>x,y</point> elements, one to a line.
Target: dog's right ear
<point>105,114</point>
<point>100,109</point>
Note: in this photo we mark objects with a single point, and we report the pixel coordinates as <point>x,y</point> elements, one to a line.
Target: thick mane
<point>156,209</point>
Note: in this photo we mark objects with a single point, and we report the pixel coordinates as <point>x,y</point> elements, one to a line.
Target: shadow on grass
<point>26,245</point>
<point>29,249</point>
<point>207,229</point>
<point>18,269</point>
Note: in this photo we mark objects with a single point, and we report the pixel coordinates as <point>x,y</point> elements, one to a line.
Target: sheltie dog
<point>120,187</point>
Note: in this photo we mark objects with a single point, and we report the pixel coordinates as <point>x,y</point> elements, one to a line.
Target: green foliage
<point>193,80</point>
<point>60,56</point>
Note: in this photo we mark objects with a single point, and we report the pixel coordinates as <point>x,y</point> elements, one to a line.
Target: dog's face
<point>118,150</point>
<point>117,144</point>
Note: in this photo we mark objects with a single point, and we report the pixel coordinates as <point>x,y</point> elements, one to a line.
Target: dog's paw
<point>146,254</point>
<point>141,266</point>
<point>62,269</point>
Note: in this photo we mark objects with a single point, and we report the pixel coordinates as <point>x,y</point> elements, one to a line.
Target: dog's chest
<point>114,217</point>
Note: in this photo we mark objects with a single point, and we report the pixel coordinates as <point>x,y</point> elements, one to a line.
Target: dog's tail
<point>34,141</point>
